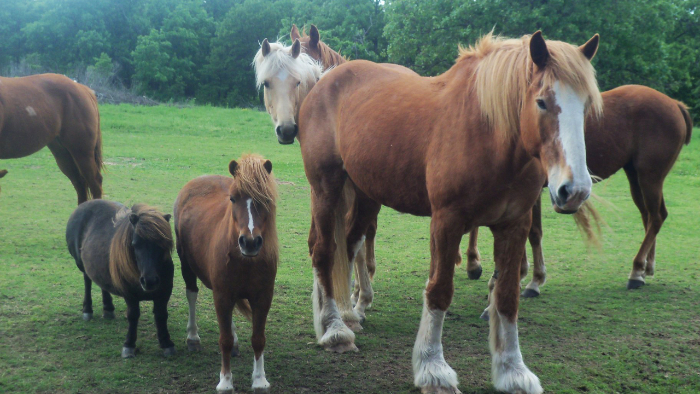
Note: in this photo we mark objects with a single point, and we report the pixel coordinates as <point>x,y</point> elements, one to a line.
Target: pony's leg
<point>224,311</point>
<point>653,201</point>
<point>107,306</point>
<point>160,314</point>
<point>331,331</point>
<point>260,309</point>
<point>133,312</point>
<point>362,216</point>
<point>539,273</point>
<point>68,167</point>
<point>87,298</point>
<point>191,291</point>
<point>509,372</point>
<point>473,257</point>
<point>430,370</point>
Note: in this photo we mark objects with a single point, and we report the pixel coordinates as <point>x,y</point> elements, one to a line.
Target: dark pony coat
<point>52,110</point>
<point>126,252</point>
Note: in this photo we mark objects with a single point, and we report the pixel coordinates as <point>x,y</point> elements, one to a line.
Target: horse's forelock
<point>252,179</point>
<point>304,68</point>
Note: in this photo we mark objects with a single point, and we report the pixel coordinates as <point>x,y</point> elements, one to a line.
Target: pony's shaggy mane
<point>252,179</point>
<point>505,67</point>
<point>304,67</point>
<point>151,226</point>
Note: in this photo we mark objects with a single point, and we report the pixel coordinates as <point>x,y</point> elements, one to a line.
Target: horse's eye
<point>298,83</point>
<point>541,104</point>
<point>233,200</point>
<point>266,84</point>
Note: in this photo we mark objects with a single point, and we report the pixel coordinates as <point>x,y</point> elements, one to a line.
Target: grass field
<point>586,333</point>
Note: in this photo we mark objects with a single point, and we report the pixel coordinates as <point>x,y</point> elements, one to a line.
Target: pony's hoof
<point>169,351</point>
<point>341,348</point>
<point>355,326</point>
<point>475,274</point>
<point>484,315</point>
<point>530,293</point>
<point>128,352</point>
<point>194,346</point>
<point>87,316</point>
<point>108,315</point>
<point>634,284</point>
<point>440,390</point>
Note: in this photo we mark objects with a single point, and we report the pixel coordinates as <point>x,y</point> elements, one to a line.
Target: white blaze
<point>571,134</point>
<point>251,226</point>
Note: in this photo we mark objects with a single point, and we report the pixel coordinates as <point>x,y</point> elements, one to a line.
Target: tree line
<point>202,49</point>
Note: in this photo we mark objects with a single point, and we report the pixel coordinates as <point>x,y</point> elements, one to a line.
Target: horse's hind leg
<point>539,273</point>
<point>107,305</point>
<point>87,299</point>
<point>651,257</point>
<point>160,314</point>
<point>191,290</point>
<point>363,215</point>
<point>474,269</point>
<point>133,312</point>
<point>260,309</point>
<point>68,167</point>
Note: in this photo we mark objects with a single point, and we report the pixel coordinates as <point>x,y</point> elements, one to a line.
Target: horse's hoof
<point>193,346</point>
<point>634,284</point>
<point>530,293</point>
<point>261,390</point>
<point>235,352</point>
<point>475,274</point>
<point>440,390</point>
<point>128,352</point>
<point>87,316</point>
<point>484,315</point>
<point>108,315</point>
<point>342,348</point>
<point>169,351</point>
<point>355,326</point>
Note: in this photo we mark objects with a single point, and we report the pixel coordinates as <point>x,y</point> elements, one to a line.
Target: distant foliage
<point>185,49</point>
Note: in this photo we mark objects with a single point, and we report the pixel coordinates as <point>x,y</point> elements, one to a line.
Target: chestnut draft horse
<point>226,237</point>
<point>471,147</point>
<point>52,110</point>
<point>127,252</point>
<point>641,131</point>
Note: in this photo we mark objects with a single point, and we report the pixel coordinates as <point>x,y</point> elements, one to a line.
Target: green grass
<point>586,333</point>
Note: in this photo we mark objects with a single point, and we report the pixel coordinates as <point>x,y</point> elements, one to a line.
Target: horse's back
<point>89,232</point>
<point>35,110</point>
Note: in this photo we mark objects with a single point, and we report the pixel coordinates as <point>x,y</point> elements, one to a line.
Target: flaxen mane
<point>505,67</point>
<point>151,226</point>
<point>304,68</point>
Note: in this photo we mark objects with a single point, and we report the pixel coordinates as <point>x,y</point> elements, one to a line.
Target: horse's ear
<point>167,217</point>
<point>232,167</point>
<point>134,218</point>
<point>3,173</point>
<point>265,47</point>
<point>538,50</point>
<point>314,37</point>
<point>296,49</point>
<point>590,48</point>
<point>294,34</point>
<point>268,166</point>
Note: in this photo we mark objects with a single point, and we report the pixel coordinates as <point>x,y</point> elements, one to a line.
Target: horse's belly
<point>20,142</point>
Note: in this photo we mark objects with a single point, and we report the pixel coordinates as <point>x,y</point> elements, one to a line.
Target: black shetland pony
<point>127,252</point>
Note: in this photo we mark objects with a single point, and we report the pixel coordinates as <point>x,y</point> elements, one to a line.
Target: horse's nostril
<point>241,241</point>
<point>143,281</point>
<point>564,192</point>
<point>258,242</point>
<point>278,130</point>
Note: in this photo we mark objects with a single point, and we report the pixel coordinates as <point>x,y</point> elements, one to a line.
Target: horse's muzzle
<point>250,247</point>
<point>150,283</point>
<point>286,133</point>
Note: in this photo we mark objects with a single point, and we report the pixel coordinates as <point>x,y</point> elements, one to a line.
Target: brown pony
<point>470,147</point>
<point>52,110</point>
<point>226,237</point>
<point>641,131</point>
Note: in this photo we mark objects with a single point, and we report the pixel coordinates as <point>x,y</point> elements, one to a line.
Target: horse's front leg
<point>539,273</point>
<point>260,309</point>
<point>224,314</point>
<point>133,312</point>
<point>160,314</point>
<point>508,369</point>
<point>431,372</point>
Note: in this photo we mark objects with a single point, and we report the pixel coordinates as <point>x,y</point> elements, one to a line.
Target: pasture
<point>586,333</point>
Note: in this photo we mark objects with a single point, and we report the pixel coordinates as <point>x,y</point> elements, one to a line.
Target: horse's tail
<point>585,218</point>
<point>98,145</point>
<point>688,122</point>
<point>342,267</point>
<point>243,306</point>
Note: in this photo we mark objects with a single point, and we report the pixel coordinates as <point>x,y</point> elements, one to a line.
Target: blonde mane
<point>504,73</point>
<point>304,67</point>
<point>151,226</point>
